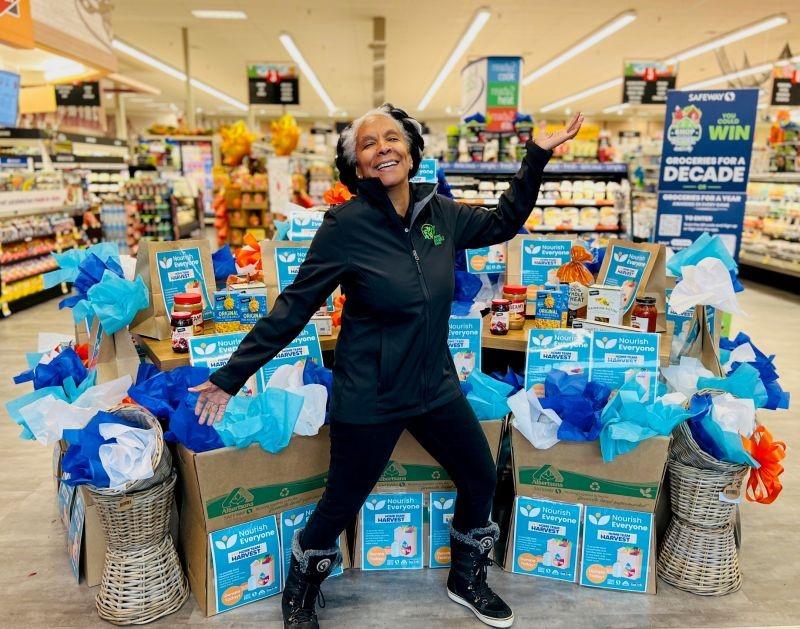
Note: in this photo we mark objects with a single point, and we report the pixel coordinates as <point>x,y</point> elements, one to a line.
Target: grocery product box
<point>573,472</point>
<point>412,471</point>
<point>232,487</point>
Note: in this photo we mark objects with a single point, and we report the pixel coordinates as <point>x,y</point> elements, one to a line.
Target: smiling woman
<point>391,248</point>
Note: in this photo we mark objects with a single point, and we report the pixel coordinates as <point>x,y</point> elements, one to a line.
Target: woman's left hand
<point>549,141</point>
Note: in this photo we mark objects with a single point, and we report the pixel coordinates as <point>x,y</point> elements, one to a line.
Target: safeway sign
<point>705,162</point>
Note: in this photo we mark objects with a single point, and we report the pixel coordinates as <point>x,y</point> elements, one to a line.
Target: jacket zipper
<point>427,296</point>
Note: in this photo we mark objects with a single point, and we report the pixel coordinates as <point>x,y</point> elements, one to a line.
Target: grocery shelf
<point>597,228</point>
<point>558,168</point>
<point>768,263</point>
<point>775,177</point>
<point>27,277</point>
<point>5,263</point>
<point>574,203</point>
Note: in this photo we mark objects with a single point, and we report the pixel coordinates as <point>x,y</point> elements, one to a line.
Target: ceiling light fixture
<point>587,92</point>
<point>478,22</point>
<point>59,68</point>
<point>616,108</point>
<point>764,67</point>
<point>175,73</point>
<point>204,14</point>
<point>605,31</point>
<point>742,33</point>
<point>300,60</point>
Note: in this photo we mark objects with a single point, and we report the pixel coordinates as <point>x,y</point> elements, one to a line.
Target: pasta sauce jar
<point>516,310</point>
<point>644,314</point>
<point>498,324</point>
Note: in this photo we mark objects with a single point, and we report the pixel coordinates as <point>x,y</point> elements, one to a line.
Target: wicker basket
<point>684,448</point>
<point>140,586</point>
<point>695,494</point>
<point>702,561</point>
<point>136,519</point>
<point>162,459</point>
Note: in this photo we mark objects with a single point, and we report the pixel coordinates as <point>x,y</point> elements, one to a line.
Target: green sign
<point>549,477</point>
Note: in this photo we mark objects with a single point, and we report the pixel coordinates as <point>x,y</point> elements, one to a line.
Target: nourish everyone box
<point>574,472</point>
<point>227,487</point>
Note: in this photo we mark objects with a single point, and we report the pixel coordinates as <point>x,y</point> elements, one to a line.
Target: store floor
<point>37,588</point>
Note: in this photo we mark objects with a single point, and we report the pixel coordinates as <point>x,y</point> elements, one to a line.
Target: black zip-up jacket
<point>391,357</point>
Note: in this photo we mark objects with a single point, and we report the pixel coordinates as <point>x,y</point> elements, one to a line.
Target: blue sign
<point>618,357</point>
<point>292,521</point>
<point>487,259</point>
<point>616,549</point>
<point>680,321</point>
<point>426,172</point>
<point>539,256</point>
<point>303,225</point>
<point>546,536</point>
<point>391,532</point>
<point>626,269</point>
<point>464,341</point>
<point>75,535</point>
<point>287,264</point>
<point>566,349</point>
<point>304,346</point>
<point>64,499</point>
<point>246,561</point>
<point>9,99</point>
<point>705,162</point>
<point>214,351</point>
<point>442,508</point>
<point>181,271</point>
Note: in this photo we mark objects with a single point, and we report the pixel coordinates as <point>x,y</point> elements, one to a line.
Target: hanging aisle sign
<point>647,82</point>
<point>786,86</point>
<point>78,94</point>
<point>490,86</point>
<point>272,84</point>
<point>705,161</point>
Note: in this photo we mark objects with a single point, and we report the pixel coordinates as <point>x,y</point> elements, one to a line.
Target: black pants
<point>359,454</point>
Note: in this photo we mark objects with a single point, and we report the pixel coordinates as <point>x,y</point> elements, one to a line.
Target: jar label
<point>517,308</point>
<point>180,337</point>
<point>640,323</point>
<point>499,322</point>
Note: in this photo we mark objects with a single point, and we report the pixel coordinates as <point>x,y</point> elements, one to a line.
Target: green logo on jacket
<point>429,233</point>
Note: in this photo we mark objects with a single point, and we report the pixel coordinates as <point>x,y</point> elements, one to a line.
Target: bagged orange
<point>579,279</point>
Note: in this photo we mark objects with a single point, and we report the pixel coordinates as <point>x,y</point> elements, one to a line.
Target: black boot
<point>466,584</point>
<point>308,569</point>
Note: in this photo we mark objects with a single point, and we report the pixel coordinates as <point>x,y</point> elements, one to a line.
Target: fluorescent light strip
<point>742,33</point>
<point>219,15</point>
<point>616,108</point>
<point>478,22</point>
<point>310,75</point>
<point>737,35</point>
<point>587,92</point>
<point>175,73</point>
<point>764,67</point>
<point>608,29</point>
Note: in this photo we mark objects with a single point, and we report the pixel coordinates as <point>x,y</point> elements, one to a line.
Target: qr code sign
<point>670,225</point>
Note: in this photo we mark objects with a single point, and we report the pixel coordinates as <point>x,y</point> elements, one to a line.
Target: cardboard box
<point>228,486</point>
<point>412,469</point>
<point>576,473</point>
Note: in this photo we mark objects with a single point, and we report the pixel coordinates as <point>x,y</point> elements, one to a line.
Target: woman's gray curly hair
<point>346,146</point>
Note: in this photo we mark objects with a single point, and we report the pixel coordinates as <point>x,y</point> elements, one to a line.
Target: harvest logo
<point>238,500</point>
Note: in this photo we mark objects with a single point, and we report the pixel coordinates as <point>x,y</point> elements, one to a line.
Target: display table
<point>160,352</point>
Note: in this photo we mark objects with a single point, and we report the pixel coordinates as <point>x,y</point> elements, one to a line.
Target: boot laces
<point>481,588</point>
<point>301,613</point>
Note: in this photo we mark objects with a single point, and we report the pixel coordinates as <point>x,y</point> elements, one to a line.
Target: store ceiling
<point>335,37</point>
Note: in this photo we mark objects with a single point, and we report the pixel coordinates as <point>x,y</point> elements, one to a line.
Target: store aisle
<point>37,588</point>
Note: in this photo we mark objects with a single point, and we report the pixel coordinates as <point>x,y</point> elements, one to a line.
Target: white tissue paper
<point>743,353</point>
<point>708,283</point>
<point>538,425</point>
<point>131,457</point>
<point>676,397</point>
<point>128,264</point>
<point>683,376</point>
<point>737,415</point>
<point>48,341</point>
<point>47,417</point>
<point>315,397</point>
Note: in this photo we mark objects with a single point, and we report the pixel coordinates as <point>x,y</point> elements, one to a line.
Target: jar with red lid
<point>498,323</point>
<point>644,314</point>
<point>193,304</point>
<point>182,330</point>
<point>516,310</point>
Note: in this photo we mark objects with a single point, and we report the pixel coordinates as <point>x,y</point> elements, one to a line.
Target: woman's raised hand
<point>549,141</point>
<point>211,402</point>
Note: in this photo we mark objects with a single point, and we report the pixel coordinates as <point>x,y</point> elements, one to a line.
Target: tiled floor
<point>37,589</point>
